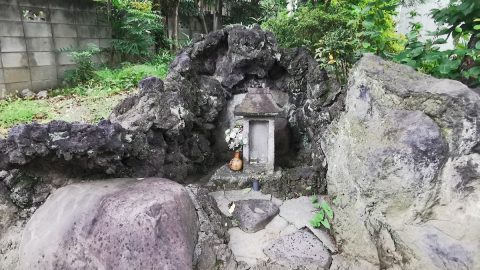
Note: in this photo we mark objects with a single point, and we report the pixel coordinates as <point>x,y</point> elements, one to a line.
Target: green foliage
<point>458,18</point>
<point>336,52</point>
<point>270,8</point>
<point>460,63</point>
<point>339,31</point>
<point>373,21</point>
<point>243,12</point>
<point>18,111</point>
<point>107,81</point>
<point>135,25</point>
<point>323,216</point>
<point>85,67</point>
<point>308,25</point>
<point>249,12</point>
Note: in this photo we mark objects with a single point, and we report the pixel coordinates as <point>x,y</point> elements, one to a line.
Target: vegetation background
<point>337,32</point>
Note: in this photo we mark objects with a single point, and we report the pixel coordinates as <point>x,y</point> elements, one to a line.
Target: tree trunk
<point>201,16</point>
<point>215,21</point>
<point>175,26</point>
<point>160,36</point>
<point>468,62</point>
<point>217,14</point>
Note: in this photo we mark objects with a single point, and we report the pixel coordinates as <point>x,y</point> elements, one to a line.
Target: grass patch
<point>87,102</point>
<point>17,111</point>
<point>107,82</point>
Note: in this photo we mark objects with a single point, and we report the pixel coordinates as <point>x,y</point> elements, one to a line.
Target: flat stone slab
<point>294,214</point>
<point>253,215</point>
<point>300,248</point>
<point>224,198</point>
<point>248,247</point>
<point>299,212</point>
<point>226,178</point>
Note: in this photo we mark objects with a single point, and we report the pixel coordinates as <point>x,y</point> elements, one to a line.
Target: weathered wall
<point>33,31</point>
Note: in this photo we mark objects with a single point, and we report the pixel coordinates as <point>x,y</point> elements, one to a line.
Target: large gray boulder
<point>115,224</point>
<point>404,166</point>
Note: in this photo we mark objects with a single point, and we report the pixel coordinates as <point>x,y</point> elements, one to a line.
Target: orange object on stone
<point>236,164</point>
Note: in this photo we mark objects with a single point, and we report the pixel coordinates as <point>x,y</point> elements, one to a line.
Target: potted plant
<point>235,141</point>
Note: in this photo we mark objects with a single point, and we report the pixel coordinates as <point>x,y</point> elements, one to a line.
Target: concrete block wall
<point>33,34</point>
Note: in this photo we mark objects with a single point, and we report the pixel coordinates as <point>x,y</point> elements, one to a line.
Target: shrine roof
<point>257,102</point>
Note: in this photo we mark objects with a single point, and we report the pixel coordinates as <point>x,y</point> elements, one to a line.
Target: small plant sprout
<point>323,215</point>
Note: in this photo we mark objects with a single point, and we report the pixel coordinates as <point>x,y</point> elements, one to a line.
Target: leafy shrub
<point>461,20</point>
<point>85,67</point>
<point>337,52</point>
<point>243,12</point>
<point>135,25</point>
<point>373,21</point>
<point>308,25</point>
<point>339,31</point>
<point>323,216</point>
<point>108,81</point>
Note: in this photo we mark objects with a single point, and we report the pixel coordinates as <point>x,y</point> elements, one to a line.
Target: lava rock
<point>168,129</point>
<point>211,72</point>
<point>300,248</point>
<point>253,215</point>
<point>114,224</point>
<point>8,211</point>
<point>212,250</point>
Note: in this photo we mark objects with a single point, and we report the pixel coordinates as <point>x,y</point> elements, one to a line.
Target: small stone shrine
<point>259,111</point>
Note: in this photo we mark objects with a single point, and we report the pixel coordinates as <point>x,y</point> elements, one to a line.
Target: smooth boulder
<point>114,224</point>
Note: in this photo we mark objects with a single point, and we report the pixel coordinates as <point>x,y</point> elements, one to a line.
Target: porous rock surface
<point>300,248</point>
<point>114,224</point>
<point>252,215</point>
<point>42,157</point>
<point>168,128</point>
<point>212,250</point>
<point>404,166</point>
<point>191,106</point>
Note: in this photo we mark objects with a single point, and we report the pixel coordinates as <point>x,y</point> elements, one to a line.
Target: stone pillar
<point>246,134</point>
<point>269,164</point>
<point>271,146</point>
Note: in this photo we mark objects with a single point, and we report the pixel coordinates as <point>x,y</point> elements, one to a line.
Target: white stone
<point>42,94</point>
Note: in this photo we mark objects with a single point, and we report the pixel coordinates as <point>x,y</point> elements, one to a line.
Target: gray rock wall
<point>32,33</point>
<point>405,169</point>
<point>194,103</point>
